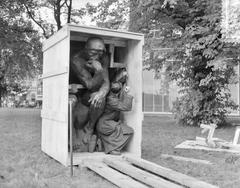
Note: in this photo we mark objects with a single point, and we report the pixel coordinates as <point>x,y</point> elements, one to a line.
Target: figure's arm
<point>104,89</point>
<point>98,98</point>
<point>85,78</point>
<point>124,103</point>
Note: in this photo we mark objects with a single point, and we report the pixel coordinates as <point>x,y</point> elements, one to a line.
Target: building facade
<point>159,93</point>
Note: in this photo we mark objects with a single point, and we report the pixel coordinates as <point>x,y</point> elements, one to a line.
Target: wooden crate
<point>56,58</point>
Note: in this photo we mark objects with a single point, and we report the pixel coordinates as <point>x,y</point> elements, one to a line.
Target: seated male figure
<point>89,68</point>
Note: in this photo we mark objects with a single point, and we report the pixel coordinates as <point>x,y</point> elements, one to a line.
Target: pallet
<point>201,145</point>
<point>128,171</point>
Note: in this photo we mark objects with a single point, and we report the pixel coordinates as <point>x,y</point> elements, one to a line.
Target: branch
<point>32,17</point>
<point>69,10</point>
<point>57,13</point>
<point>61,5</point>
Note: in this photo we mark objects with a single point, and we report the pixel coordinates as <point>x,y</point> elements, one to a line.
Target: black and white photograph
<point>119,93</point>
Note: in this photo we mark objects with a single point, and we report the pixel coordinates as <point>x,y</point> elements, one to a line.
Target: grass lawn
<point>23,164</point>
<point>161,135</point>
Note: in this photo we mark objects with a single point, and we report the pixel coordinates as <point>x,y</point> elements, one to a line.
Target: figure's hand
<point>97,99</point>
<point>96,65</point>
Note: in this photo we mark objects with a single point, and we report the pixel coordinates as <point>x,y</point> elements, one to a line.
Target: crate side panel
<point>56,57</point>
<point>56,38</point>
<point>55,140</point>
<point>55,101</point>
<point>105,32</point>
<point>135,116</point>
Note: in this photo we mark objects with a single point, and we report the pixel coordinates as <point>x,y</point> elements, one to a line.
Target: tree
<point>62,11</point>
<point>20,41</point>
<point>20,47</point>
<point>111,14</point>
<point>204,64</point>
<point>207,63</point>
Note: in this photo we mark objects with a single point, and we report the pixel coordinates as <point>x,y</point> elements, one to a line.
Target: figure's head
<point>95,48</point>
<point>116,87</point>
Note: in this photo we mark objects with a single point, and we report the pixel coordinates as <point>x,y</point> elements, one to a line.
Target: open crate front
<point>124,49</point>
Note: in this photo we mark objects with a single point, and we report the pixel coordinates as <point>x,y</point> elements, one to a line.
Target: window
<point>158,92</point>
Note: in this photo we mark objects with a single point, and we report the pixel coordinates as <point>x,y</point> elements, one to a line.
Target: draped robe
<point>113,132</point>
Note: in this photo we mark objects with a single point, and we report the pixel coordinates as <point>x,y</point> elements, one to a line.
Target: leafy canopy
<point>185,36</point>
<point>20,47</point>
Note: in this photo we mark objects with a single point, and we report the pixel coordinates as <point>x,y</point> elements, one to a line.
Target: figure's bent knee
<point>105,128</point>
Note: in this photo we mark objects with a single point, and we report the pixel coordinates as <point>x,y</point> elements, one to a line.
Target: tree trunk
<point>69,11</point>
<point>57,14</point>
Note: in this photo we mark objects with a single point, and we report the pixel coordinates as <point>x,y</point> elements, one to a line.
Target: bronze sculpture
<point>95,105</point>
<point>90,69</point>
<point>112,130</point>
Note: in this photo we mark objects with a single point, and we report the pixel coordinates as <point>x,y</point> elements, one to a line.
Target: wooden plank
<point>236,135</point>
<point>111,51</point>
<point>84,37</point>
<point>105,32</point>
<point>58,72</point>
<point>71,101</point>
<point>165,156</point>
<point>113,176</point>
<point>54,140</point>
<point>140,175</point>
<point>54,115</point>
<point>134,117</point>
<point>55,98</point>
<point>55,39</point>
<point>75,86</point>
<point>79,158</point>
<point>193,144</point>
<point>210,128</point>
<point>168,173</point>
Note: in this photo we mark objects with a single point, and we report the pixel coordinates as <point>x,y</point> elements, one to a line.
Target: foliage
<point>20,42</point>
<point>20,47</point>
<point>207,66</point>
<point>185,36</point>
<point>231,20</point>
<point>62,12</point>
<point>111,14</point>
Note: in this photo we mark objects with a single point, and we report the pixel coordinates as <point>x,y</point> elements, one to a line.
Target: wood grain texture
<point>134,118</point>
<point>105,32</point>
<point>168,173</point>
<point>56,59</point>
<point>55,101</point>
<point>140,175</point>
<point>114,176</point>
